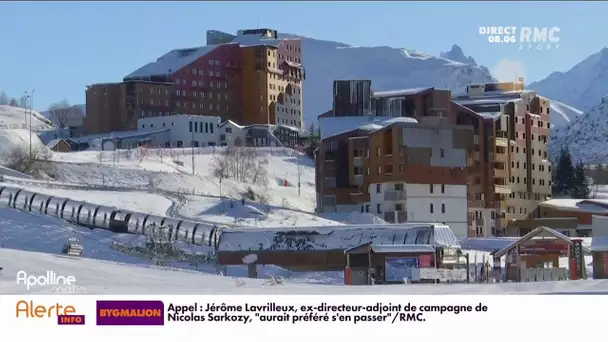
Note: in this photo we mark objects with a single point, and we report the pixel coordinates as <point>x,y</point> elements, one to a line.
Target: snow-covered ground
<point>146,178</point>
<point>106,277</point>
<point>16,117</point>
<point>562,114</point>
<point>129,200</point>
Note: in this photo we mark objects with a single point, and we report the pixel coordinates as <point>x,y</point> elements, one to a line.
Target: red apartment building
<point>253,77</point>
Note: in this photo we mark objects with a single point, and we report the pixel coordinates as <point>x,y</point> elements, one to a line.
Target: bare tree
<point>59,113</point>
<point>19,159</point>
<point>241,164</point>
<point>4,100</point>
<point>23,101</point>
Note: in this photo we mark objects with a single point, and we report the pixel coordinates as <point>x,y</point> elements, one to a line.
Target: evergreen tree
<point>4,100</point>
<point>14,103</point>
<point>598,174</point>
<point>580,184</point>
<point>564,174</point>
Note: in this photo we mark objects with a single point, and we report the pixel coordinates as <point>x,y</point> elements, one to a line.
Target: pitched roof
<point>332,126</point>
<point>256,40</point>
<point>54,142</point>
<point>401,92</point>
<point>171,62</point>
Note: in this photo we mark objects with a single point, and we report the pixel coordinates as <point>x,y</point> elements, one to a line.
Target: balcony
<point>502,189</point>
<point>358,179</point>
<point>504,142</point>
<point>502,157</point>
<point>394,195</point>
<point>356,198</point>
<point>501,173</point>
<point>358,161</point>
<point>395,216</point>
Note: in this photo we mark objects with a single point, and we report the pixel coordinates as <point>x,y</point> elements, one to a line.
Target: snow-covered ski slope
<point>157,172</point>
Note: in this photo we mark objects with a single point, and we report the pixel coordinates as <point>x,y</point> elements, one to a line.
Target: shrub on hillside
<point>19,159</point>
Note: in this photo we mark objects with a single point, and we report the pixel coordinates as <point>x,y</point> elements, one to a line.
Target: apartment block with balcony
<point>399,170</point>
<point>513,141</point>
<point>252,77</point>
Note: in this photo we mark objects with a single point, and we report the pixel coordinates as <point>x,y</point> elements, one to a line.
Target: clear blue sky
<point>59,48</point>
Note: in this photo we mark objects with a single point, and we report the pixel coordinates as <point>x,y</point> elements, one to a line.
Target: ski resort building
<point>253,77</point>
<point>397,169</point>
<point>509,173</point>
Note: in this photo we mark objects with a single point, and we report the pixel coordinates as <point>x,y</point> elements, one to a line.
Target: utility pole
<point>192,141</point>
<point>26,97</point>
<point>31,112</point>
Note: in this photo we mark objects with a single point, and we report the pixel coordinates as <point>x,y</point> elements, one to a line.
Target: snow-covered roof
<point>413,248</point>
<point>118,135</point>
<point>335,237</point>
<point>54,143</point>
<point>490,115</point>
<point>531,235</point>
<point>256,40</point>
<point>599,244</point>
<point>480,101</point>
<point>402,248</point>
<point>172,62</point>
<point>230,122</point>
<point>400,92</point>
<point>332,126</point>
<point>599,206</point>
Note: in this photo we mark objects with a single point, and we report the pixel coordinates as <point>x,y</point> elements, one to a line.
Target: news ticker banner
<point>466,318</point>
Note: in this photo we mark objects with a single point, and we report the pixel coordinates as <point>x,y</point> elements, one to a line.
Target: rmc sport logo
<point>528,38</point>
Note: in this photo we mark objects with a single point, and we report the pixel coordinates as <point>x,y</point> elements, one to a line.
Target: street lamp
<point>25,97</point>
<point>31,110</point>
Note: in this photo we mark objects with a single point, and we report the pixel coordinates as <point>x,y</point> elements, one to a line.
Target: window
<point>442,188</point>
<point>443,208</point>
<point>211,62</point>
<point>378,188</point>
<point>431,188</point>
<point>441,153</point>
<point>190,126</point>
<point>431,207</point>
<point>210,73</point>
<point>379,208</point>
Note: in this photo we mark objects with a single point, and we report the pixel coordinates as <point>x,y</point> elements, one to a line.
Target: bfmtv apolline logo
<point>60,284</point>
<point>528,38</point>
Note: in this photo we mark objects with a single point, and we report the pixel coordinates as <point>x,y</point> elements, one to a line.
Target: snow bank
<point>5,171</point>
<point>20,138</point>
<point>15,117</point>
